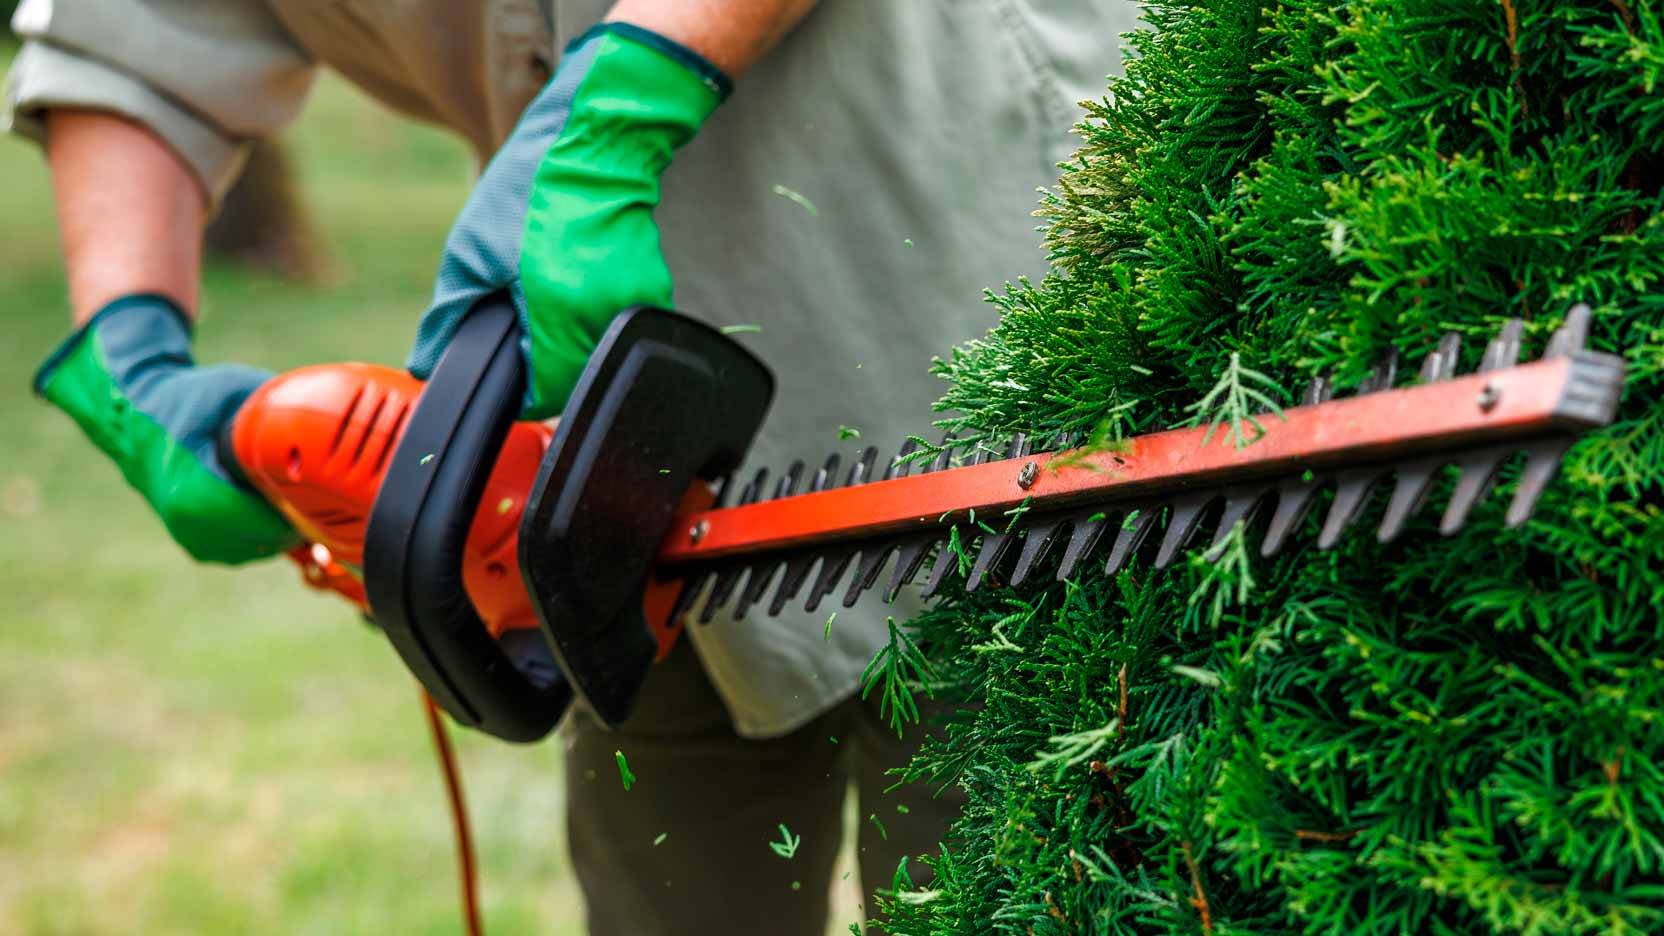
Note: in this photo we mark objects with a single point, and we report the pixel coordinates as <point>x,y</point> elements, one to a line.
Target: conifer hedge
<point>1444,736</point>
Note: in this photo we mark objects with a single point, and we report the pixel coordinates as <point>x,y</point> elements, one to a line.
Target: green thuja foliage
<point>1443,736</point>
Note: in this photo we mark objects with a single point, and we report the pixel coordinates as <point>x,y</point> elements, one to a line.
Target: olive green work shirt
<point>862,187</point>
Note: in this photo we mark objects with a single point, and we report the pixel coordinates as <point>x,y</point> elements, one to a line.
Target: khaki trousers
<point>718,800</point>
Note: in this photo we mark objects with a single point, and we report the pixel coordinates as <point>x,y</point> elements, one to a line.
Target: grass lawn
<point>186,749</point>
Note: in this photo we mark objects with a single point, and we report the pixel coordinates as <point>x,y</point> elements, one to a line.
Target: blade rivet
<point>1027,476</point>
<point>1489,397</point>
<point>699,530</point>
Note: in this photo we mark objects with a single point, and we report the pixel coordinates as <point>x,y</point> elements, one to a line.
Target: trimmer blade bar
<point>995,520</point>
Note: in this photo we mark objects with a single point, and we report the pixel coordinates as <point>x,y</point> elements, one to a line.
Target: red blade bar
<point>1527,400</point>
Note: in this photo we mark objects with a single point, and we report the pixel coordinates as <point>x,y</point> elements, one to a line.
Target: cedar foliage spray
<point>1459,735</point>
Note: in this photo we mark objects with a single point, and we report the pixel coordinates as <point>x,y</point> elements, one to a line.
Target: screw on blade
<point>1240,506</point>
<point>866,572</point>
<point>830,571</point>
<point>1294,499</point>
<point>797,570</point>
<point>1135,527</point>
<point>1186,516</point>
<point>1036,544</point>
<point>1088,529</point>
<point>1542,464</point>
<point>1413,480</point>
<point>909,558</point>
<point>899,467</point>
<point>1573,335</point>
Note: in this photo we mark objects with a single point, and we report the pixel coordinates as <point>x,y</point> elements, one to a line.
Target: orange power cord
<point>459,818</point>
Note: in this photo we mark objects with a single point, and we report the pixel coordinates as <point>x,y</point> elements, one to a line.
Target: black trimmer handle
<point>413,548</point>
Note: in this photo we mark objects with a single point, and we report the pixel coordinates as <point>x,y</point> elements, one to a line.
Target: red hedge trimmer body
<point>479,543</point>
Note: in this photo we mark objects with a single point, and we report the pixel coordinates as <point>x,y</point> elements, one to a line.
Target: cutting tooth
<point>1352,491</point>
<point>1041,536</point>
<point>1382,375</point>
<point>1542,463</point>
<point>830,571</point>
<point>826,475</point>
<point>1414,481</point>
<point>1504,349</point>
<point>754,490</point>
<point>787,485</point>
<point>898,468</point>
<point>1187,514</point>
<point>1294,498</point>
<point>1019,446</point>
<point>1320,390</point>
<point>1571,336</point>
<point>944,458</point>
<point>725,582</point>
<point>866,573</point>
<point>1135,526</point>
<point>797,570</point>
<point>1240,506</point>
<point>861,471</point>
<point>692,588</point>
<point>994,548</point>
<point>946,560</point>
<point>761,575</point>
<point>1441,364</point>
<point>908,560</point>
<point>1088,529</point>
<point>1478,472</point>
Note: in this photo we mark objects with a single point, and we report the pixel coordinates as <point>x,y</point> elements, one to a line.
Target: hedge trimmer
<point>479,544</point>
<point>465,534</point>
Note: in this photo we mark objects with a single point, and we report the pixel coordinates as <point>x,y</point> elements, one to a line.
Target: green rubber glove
<point>128,380</point>
<point>562,217</point>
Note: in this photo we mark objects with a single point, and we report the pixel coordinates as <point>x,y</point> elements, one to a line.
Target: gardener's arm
<point>146,113</point>
<point>143,235</point>
<point>562,219</point>
<point>730,34</point>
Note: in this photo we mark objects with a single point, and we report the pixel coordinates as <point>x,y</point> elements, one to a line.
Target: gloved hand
<point>563,216</point>
<point>128,380</point>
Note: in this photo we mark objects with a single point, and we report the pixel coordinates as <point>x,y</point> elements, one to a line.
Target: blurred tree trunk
<point>264,223</point>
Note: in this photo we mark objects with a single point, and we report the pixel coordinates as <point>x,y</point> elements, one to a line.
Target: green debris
<point>746,329</point>
<point>659,839</point>
<point>830,618</point>
<point>797,199</point>
<point>846,433</point>
<point>787,846</point>
<point>624,774</point>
